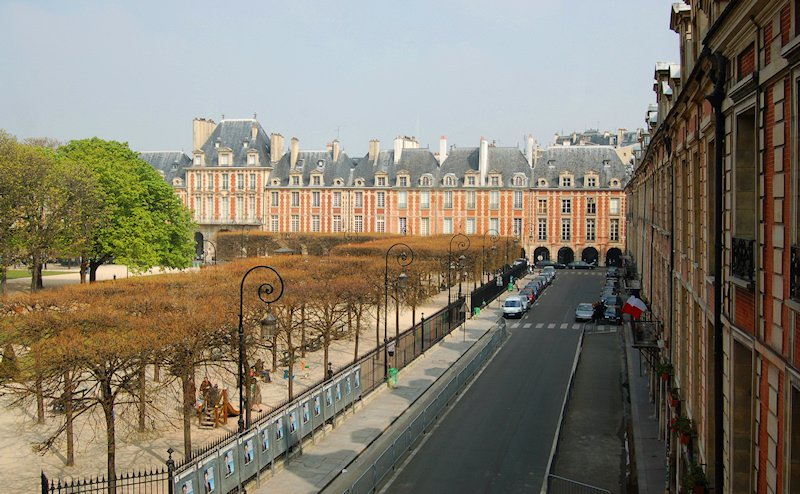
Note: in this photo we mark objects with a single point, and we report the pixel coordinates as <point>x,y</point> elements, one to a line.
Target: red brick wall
<point>786,23</point>
<point>762,413</point>
<point>769,174</point>
<point>746,62</point>
<point>745,310</point>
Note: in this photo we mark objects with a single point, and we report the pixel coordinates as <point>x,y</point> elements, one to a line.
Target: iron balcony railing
<point>794,269</point>
<point>743,258</point>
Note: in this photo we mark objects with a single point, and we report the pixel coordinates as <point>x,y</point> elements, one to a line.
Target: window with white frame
<point>402,181</point>
<point>380,199</point>
<point>251,159</point>
<point>252,184</point>
<point>359,199</point>
<point>209,181</point>
<point>273,201</point>
<point>471,226</point>
<point>316,199</point>
<point>226,208</point>
<point>251,211</point>
<point>566,181</point>
<point>198,181</point>
<point>471,180</point>
<point>591,205</point>
<point>566,206</point>
<point>240,208</point>
<point>315,223</point>
<point>517,226</point>
<point>448,199</point>
<point>316,180</point>
<point>402,199</point>
<point>517,199</point>
<point>566,229</point>
<point>541,206</point>
<point>613,206</point>
<point>402,226</point>
<point>380,181</point>
<point>471,195</point>
<point>590,229</point>
<point>542,229</point>
<point>240,181</point>
<point>295,180</point>
<point>425,181</point>
<point>336,223</point>
<point>519,181</point>
<point>447,226</point>
<point>424,199</point>
<point>223,159</point>
<point>295,223</point>
<point>210,208</point>
<point>273,223</point>
<point>450,181</point>
<point>613,230</point>
<point>198,159</point>
<point>424,226</point>
<point>295,199</point>
<point>337,199</point>
<point>358,223</point>
<point>494,199</point>
<point>591,181</point>
<point>226,185</point>
<point>494,224</point>
<point>494,181</point>
<point>380,224</point>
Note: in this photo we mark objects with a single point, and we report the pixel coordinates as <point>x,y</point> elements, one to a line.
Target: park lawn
<point>13,274</point>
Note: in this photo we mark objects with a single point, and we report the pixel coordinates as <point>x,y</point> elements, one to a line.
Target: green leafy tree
<point>144,223</point>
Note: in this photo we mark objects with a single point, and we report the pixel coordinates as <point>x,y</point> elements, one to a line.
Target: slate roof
<point>578,161</point>
<point>309,162</point>
<point>508,161</point>
<point>413,162</point>
<point>236,135</point>
<point>172,163</point>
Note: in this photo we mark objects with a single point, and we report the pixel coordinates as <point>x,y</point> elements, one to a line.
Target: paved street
<point>499,435</point>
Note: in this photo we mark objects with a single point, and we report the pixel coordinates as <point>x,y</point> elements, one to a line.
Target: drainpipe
<point>716,98</point>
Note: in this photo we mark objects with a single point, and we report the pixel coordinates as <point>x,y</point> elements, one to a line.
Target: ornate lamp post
<point>405,256</point>
<point>463,245</point>
<point>214,257</point>
<point>493,235</point>
<point>267,293</point>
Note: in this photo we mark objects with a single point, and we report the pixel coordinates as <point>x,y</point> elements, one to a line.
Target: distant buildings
<point>713,216</point>
<point>561,202</point>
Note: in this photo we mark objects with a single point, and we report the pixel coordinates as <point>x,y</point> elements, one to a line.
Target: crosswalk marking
<point>552,325</point>
<point>515,325</point>
<point>564,325</point>
<point>527,325</point>
<point>576,326</point>
<point>540,325</point>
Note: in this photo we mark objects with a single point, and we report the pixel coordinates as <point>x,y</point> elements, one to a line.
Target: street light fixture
<point>267,293</point>
<point>493,236</point>
<point>463,245</point>
<point>405,256</point>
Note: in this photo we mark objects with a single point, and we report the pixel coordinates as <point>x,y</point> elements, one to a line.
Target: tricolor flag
<point>634,307</point>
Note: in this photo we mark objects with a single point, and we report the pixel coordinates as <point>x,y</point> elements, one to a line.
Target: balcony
<point>794,269</point>
<point>743,259</point>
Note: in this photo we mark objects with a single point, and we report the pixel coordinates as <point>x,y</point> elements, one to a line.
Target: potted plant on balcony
<point>694,480</point>
<point>684,427</point>
<point>674,398</point>
<point>664,370</point>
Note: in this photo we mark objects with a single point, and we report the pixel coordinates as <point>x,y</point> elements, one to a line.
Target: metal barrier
<point>487,292</point>
<point>375,473</point>
<point>560,485</point>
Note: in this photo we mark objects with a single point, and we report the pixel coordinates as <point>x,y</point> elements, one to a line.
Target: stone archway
<point>199,240</point>
<point>541,254</point>
<point>590,255</point>
<point>614,257</point>
<point>565,255</point>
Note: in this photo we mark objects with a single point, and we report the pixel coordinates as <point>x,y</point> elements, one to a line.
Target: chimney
<point>398,149</point>
<point>442,149</point>
<point>619,136</point>
<point>336,149</point>
<point>295,150</point>
<point>374,149</point>
<point>275,147</point>
<point>529,149</point>
<point>201,130</point>
<point>483,160</point>
<point>254,131</point>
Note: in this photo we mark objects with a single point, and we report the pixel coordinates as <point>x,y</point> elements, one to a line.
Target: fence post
<point>171,472</point>
<point>422,340</point>
<point>45,483</point>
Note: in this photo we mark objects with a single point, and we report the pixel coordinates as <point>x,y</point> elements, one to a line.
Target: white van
<point>513,307</point>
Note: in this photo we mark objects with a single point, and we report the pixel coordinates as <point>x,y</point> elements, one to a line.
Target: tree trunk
<point>156,372</point>
<point>34,271</point>
<point>248,410</point>
<point>303,331</point>
<point>107,402</point>
<point>38,272</point>
<point>188,409</point>
<point>3,279</point>
<point>68,405</point>
<point>93,265</point>
<point>82,270</point>
<point>39,400</point>
<point>142,399</point>
<point>291,363</point>
<point>274,351</point>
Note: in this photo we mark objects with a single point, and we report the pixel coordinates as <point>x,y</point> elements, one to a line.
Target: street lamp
<point>267,293</point>
<point>214,257</point>
<point>493,235</point>
<point>405,256</point>
<point>463,245</point>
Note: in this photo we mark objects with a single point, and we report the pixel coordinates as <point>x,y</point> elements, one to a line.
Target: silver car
<point>584,312</point>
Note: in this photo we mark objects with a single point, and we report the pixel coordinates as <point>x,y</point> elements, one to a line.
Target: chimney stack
<point>398,149</point>
<point>295,151</point>
<point>201,130</point>
<point>483,160</point>
<point>374,149</point>
<point>275,147</point>
<point>529,149</point>
<point>254,131</point>
<point>442,149</point>
<point>336,149</point>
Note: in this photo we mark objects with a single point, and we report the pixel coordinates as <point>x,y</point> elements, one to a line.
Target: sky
<point>140,71</point>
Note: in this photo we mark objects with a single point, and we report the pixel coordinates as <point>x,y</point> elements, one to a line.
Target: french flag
<point>635,307</point>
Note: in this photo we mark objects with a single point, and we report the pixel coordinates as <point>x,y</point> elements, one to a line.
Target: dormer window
<point>566,181</point>
<point>177,182</point>
<point>450,180</point>
<point>425,181</point>
<point>338,182</point>
<point>614,182</point>
<point>494,181</point>
<point>198,160</point>
<point>174,166</point>
<point>316,180</point>
<point>276,181</point>
<point>471,180</point>
<point>359,182</point>
<point>590,181</point>
<point>542,182</point>
<point>519,180</point>
<point>252,158</point>
<point>321,164</point>
<point>224,159</point>
<point>295,180</point>
<point>402,181</point>
<point>380,181</point>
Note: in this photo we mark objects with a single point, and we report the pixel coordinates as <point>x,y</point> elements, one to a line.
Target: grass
<point>13,274</point>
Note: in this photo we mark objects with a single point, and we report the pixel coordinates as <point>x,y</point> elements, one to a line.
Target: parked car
<point>513,307</point>
<point>612,272</point>
<point>529,293</point>
<point>580,265</point>
<point>613,314</point>
<point>544,279</point>
<point>547,262</point>
<point>610,300</point>
<point>536,286</point>
<point>550,271</point>
<point>584,312</point>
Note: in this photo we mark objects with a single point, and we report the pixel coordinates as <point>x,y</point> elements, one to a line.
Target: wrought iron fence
<point>794,269</point>
<point>743,258</point>
<point>370,369</point>
<point>487,292</point>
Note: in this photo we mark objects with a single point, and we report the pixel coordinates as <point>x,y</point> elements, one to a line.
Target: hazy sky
<point>140,70</point>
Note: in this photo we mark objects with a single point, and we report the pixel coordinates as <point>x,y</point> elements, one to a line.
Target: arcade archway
<point>541,254</point>
<point>614,257</point>
<point>590,255</point>
<point>565,255</point>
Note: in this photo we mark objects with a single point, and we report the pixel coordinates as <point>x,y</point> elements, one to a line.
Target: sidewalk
<point>323,461</point>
